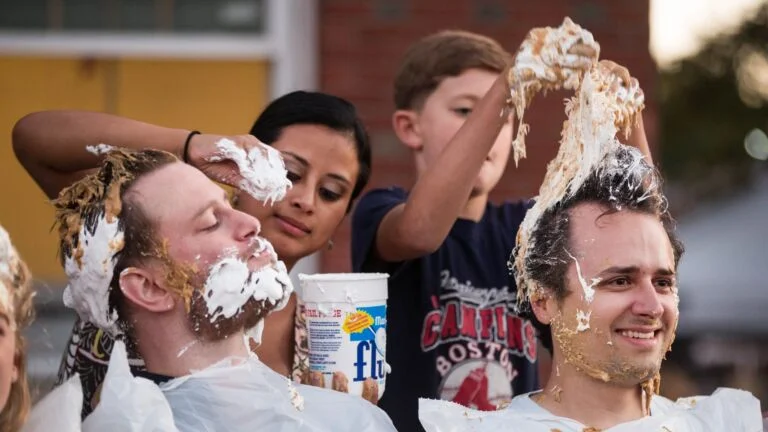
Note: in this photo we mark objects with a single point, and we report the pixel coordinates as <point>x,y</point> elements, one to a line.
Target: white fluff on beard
<point>231,285</point>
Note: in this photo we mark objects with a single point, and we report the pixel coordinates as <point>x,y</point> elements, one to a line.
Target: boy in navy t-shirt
<point>454,330</point>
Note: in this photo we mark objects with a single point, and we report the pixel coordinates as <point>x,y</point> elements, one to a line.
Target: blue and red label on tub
<point>367,327</point>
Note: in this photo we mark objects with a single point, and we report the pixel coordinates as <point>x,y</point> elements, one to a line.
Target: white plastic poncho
<point>59,410</point>
<point>242,397</point>
<point>726,410</point>
<point>127,404</point>
<point>249,396</point>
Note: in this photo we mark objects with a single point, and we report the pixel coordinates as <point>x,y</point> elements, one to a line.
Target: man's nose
<point>248,227</point>
<point>647,301</point>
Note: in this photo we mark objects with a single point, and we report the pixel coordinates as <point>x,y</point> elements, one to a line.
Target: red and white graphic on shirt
<point>479,334</point>
<point>479,384</point>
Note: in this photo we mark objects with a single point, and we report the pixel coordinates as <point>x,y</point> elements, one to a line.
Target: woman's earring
<point>330,244</point>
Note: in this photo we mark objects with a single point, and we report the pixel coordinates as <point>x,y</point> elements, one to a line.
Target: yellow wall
<point>214,96</point>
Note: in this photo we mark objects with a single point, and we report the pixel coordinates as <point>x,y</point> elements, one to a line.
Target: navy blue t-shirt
<point>453,328</point>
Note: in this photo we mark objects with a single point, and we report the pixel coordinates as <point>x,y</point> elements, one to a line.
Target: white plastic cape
<point>127,404</point>
<point>243,397</point>
<point>249,397</point>
<point>59,410</point>
<point>726,410</point>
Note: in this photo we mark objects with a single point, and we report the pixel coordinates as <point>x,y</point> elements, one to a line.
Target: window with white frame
<point>167,16</point>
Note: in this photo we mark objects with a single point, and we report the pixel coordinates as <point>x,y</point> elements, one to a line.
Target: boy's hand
<point>629,97</point>
<point>622,84</point>
<point>551,58</point>
<point>548,59</point>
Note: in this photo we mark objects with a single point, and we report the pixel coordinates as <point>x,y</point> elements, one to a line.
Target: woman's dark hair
<point>302,107</point>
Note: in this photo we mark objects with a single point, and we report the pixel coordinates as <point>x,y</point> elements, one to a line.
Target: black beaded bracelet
<point>185,155</point>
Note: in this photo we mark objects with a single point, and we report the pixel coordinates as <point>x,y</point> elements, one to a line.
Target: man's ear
<point>545,306</point>
<point>406,126</point>
<point>141,289</point>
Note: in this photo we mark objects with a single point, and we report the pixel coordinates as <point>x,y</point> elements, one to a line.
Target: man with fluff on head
<point>156,255</point>
<point>596,261</point>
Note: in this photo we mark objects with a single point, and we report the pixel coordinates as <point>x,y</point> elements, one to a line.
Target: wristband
<point>185,155</point>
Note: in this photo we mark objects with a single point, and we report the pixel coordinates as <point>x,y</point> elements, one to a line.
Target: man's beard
<point>235,298</point>
<point>595,355</point>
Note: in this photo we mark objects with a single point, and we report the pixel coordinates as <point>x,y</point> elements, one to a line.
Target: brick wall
<point>362,41</point>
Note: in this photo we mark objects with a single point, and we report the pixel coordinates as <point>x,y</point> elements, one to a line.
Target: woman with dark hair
<point>327,155</point>
<point>313,131</point>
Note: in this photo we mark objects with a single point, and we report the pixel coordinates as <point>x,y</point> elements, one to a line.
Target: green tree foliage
<point>711,100</point>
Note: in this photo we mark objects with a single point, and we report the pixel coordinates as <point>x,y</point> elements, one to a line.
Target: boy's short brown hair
<point>444,54</point>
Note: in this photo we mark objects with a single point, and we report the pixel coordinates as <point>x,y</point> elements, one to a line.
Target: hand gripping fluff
<point>600,109</point>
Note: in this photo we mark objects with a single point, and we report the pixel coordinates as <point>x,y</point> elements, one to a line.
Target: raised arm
<point>51,145</point>
<point>420,225</point>
<point>637,137</point>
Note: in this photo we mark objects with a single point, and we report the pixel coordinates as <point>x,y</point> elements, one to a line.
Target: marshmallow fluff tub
<point>595,115</point>
<point>232,393</point>
<point>346,325</point>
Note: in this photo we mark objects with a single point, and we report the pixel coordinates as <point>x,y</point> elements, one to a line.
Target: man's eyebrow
<point>210,204</point>
<point>634,269</point>
<point>620,270</point>
<point>666,272</point>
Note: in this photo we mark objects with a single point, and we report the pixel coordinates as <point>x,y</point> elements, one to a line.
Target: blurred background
<point>212,65</point>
